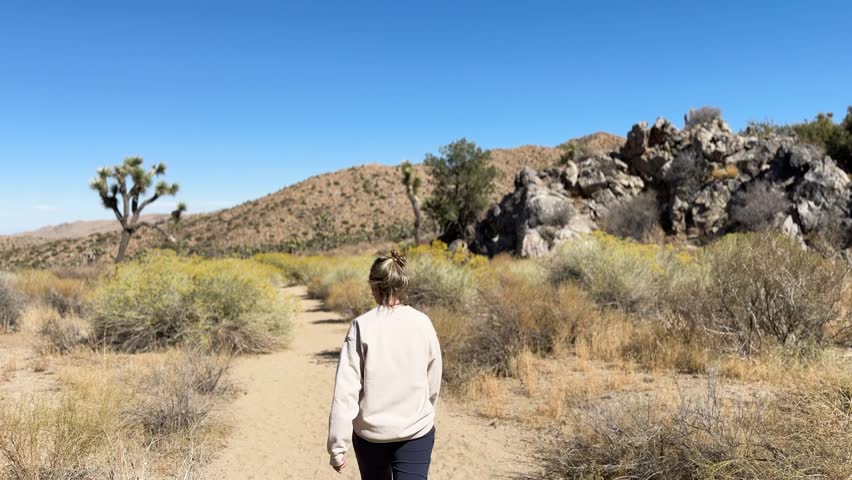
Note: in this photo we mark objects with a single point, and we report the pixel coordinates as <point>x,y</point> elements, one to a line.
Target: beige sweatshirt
<point>388,379</point>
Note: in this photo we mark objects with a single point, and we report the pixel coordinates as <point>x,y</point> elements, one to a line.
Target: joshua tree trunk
<point>418,217</point>
<point>412,186</point>
<point>122,245</point>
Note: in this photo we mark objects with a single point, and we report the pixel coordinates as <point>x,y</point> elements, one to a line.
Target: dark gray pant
<point>408,460</point>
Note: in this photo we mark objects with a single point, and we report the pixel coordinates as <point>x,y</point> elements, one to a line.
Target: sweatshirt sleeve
<point>435,368</point>
<point>347,392</point>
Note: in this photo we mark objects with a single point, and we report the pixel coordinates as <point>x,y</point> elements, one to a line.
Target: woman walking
<point>387,384</point>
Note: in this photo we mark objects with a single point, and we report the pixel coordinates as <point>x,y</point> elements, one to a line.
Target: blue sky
<point>242,98</point>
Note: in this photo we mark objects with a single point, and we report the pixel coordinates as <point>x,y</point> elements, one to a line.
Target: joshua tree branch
<point>157,226</point>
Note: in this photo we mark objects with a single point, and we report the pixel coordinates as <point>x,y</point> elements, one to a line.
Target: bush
<point>59,440</point>
<point>438,281</point>
<point>623,274</point>
<point>350,298</point>
<point>163,300</point>
<point>755,207</point>
<point>686,174</point>
<point>338,270</point>
<point>296,269</point>
<point>177,396</point>
<point>763,129</point>
<point>707,435</point>
<point>60,336</point>
<point>765,287</point>
<point>11,304</point>
<point>65,295</point>
<point>637,217</point>
<point>520,316</point>
<point>834,139</point>
<point>699,116</point>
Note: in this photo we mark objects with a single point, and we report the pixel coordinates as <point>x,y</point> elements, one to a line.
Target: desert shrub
<point>163,300</point>
<point>619,273</point>
<point>65,295</point>
<point>519,316</point>
<point>832,138</point>
<point>339,270</point>
<point>572,151</point>
<point>438,281</point>
<point>59,335</point>
<point>755,207</point>
<point>350,297</point>
<point>708,434</point>
<point>686,174</point>
<point>699,116</point>
<point>724,173</point>
<point>296,269</point>
<point>11,303</point>
<point>764,287</point>
<point>764,129</point>
<point>637,218</point>
<point>178,395</point>
<point>45,440</point>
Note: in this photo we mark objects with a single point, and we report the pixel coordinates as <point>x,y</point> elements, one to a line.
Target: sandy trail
<point>279,424</point>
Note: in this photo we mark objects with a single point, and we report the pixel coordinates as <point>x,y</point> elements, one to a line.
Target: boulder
<point>558,204</point>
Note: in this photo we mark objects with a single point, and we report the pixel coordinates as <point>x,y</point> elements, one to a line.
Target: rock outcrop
<point>704,176</point>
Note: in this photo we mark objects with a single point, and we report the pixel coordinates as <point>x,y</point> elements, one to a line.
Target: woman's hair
<point>388,277</point>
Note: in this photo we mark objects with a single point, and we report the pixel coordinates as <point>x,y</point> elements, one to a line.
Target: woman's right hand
<point>339,468</point>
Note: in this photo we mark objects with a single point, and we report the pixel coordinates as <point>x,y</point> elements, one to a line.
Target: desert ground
<point>279,423</point>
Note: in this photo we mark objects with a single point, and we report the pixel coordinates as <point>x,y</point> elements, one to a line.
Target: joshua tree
<point>412,187</point>
<point>122,197</point>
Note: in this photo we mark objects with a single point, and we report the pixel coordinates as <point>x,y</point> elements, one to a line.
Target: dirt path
<point>279,425</point>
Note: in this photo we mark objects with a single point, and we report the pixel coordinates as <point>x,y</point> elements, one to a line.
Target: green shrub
<point>619,273</point>
<point>834,139</point>
<point>438,281</point>
<point>163,300</point>
<point>350,297</point>
<point>296,269</point>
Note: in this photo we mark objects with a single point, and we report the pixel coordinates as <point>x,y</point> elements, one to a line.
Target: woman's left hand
<point>339,468</point>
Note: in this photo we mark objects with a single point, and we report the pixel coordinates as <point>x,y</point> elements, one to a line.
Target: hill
<point>78,229</point>
<point>364,203</point>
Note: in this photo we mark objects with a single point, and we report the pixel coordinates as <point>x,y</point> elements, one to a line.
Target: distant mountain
<point>79,228</point>
<point>364,203</point>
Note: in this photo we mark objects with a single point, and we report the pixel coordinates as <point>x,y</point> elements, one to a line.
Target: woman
<point>387,384</point>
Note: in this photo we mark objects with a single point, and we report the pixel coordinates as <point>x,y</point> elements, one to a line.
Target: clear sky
<point>242,98</point>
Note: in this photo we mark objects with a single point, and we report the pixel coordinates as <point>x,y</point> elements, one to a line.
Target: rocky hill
<point>357,204</point>
<point>695,184</point>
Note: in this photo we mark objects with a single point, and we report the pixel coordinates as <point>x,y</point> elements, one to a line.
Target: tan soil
<point>279,423</point>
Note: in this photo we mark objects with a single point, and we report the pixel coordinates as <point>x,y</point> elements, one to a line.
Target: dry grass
<point>708,433</point>
<point>119,417</point>
<point>177,396</point>
<point>65,294</point>
<point>11,303</point>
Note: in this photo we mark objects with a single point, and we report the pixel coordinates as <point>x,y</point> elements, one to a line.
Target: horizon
<point>243,100</point>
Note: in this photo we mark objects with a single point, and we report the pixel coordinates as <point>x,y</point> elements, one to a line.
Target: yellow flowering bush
<point>223,305</point>
<point>622,273</point>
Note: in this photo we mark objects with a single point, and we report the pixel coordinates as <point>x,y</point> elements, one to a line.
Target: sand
<point>279,423</point>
